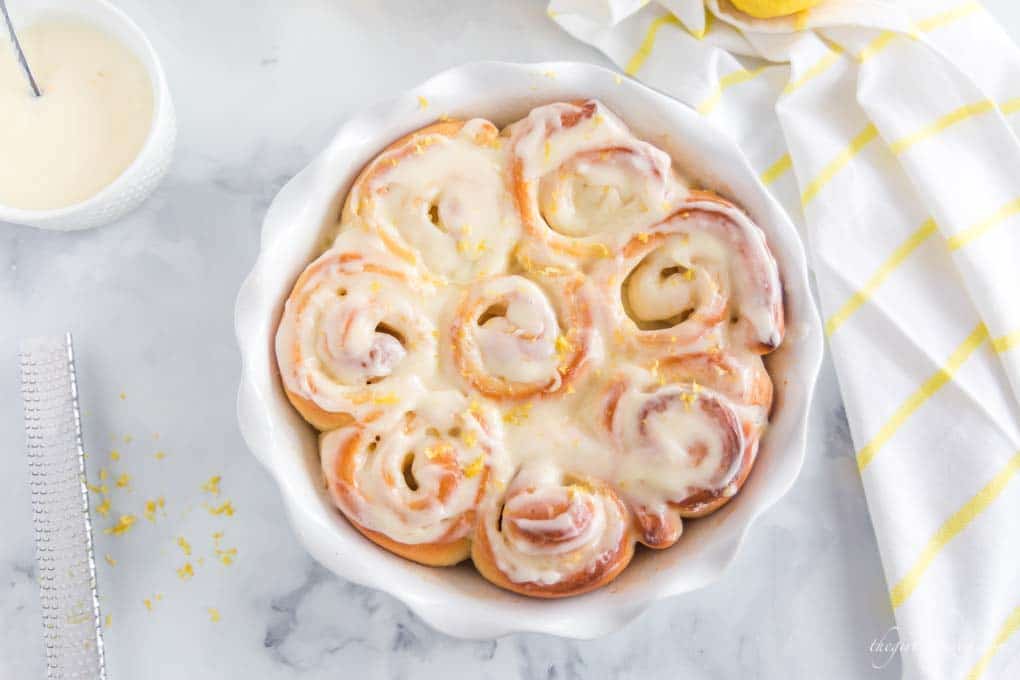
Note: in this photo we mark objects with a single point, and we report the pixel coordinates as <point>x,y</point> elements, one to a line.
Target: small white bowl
<point>140,178</point>
<point>457,600</point>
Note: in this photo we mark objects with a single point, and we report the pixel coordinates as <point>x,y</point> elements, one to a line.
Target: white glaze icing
<point>89,125</point>
<point>567,351</point>
<point>444,199</point>
<point>550,527</point>
<point>417,478</point>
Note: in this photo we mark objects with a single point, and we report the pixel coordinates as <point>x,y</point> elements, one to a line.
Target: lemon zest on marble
<point>122,526</point>
<point>225,508</point>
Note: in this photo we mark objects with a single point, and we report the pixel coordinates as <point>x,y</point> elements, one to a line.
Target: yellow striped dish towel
<point>889,131</point>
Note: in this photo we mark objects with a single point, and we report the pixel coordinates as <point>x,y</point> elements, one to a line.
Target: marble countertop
<point>259,88</point>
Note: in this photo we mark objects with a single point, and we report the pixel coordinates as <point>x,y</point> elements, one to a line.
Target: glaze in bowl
<point>143,175</point>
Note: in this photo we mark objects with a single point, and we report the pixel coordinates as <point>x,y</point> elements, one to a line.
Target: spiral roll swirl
<point>439,200</point>
<point>351,340</point>
<point>582,181</point>
<point>413,485</point>
<point>553,535</point>
<point>695,281</point>
<point>696,422</point>
<point>514,338</point>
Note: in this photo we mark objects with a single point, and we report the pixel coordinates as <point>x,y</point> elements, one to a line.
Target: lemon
<point>769,9</point>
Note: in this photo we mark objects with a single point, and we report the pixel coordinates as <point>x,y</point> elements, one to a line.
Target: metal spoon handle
<point>17,48</point>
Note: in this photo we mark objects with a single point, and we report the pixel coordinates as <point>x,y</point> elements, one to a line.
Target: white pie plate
<point>457,600</point>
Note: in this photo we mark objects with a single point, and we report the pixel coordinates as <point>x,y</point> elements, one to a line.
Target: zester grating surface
<point>63,531</point>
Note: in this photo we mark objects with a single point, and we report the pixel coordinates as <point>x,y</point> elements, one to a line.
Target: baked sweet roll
<point>583,181</point>
<point>535,348</point>
<point>686,431</point>
<point>553,534</point>
<point>413,485</point>
<point>438,198</point>
<point>515,337</point>
<point>354,339</point>
<point>698,280</point>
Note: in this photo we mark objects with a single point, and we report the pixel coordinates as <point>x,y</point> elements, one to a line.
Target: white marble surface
<point>259,87</point>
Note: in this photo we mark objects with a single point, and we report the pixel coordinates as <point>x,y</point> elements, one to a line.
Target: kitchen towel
<point>889,131</point>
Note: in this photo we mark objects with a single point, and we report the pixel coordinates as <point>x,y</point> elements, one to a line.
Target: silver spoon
<point>17,48</point>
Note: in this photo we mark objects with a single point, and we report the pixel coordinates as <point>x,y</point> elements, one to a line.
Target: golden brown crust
<point>578,584</point>
<point>429,554</point>
<point>657,530</point>
<point>318,417</point>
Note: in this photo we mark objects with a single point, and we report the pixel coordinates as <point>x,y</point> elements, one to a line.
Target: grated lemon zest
<point>517,414</point>
<point>122,526</point>
<point>474,467</point>
<point>226,508</point>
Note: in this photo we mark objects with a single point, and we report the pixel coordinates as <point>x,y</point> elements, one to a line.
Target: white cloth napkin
<point>889,131</point>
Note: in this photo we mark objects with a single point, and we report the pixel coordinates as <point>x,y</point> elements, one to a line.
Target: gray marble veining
<point>259,87</point>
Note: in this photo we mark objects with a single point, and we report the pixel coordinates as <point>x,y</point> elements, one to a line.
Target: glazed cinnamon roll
<point>412,486</point>
<point>687,284</point>
<point>686,431</point>
<point>516,337</point>
<point>582,181</point>
<point>438,198</point>
<point>534,348</point>
<point>353,341</point>
<point>553,535</point>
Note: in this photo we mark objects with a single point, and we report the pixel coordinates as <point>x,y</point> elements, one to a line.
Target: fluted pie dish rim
<point>455,600</point>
